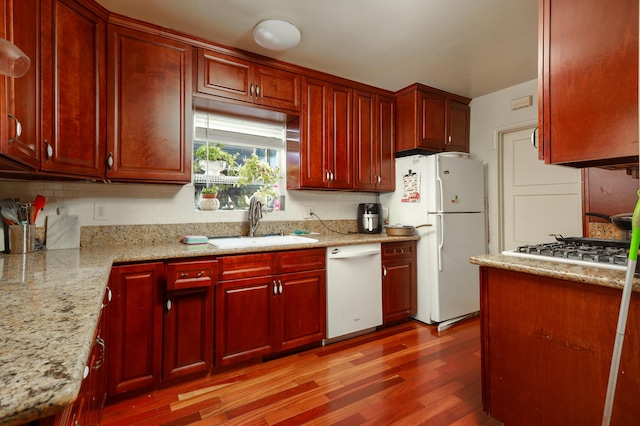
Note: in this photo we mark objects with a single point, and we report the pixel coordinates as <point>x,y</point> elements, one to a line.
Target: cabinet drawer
<point>399,250</point>
<point>301,260</point>
<point>246,266</point>
<point>183,275</point>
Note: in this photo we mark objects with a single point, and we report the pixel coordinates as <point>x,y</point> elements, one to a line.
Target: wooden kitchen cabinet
<point>232,77</point>
<point>588,90</point>
<point>399,281</point>
<point>73,90</point>
<point>149,103</point>
<point>373,142</point>
<point>135,327</point>
<point>189,318</point>
<point>302,297</point>
<point>432,120</point>
<point>546,350</point>
<point>272,302</point>
<point>22,95</point>
<point>319,150</point>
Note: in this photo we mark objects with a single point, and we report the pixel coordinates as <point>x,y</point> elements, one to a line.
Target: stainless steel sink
<point>269,240</point>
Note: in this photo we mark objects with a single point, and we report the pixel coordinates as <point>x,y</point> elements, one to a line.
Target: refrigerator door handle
<point>439,194</point>
<point>440,241</point>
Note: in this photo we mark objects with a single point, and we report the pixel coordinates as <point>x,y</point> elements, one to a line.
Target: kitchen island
<point>51,303</point>
<point>547,331</point>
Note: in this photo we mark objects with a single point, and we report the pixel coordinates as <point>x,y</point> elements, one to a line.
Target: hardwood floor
<point>406,375</point>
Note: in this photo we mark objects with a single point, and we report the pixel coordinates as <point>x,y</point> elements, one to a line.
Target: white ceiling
<point>468,47</point>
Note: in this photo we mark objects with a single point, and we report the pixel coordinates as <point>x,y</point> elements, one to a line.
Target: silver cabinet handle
<point>184,275</point>
<point>85,373</point>
<point>257,91</point>
<point>449,142</point>
<point>200,274</point>
<point>168,305</point>
<point>18,127</point>
<point>100,341</point>
<point>251,90</point>
<point>275,288</point>
<point>109,296</point>
<point>110,160</point>
<point>384,271</point>
<point>49,149</point>
<point>534,138</point>
<point>279,286</point>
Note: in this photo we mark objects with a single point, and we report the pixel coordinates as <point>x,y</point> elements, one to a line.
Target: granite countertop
<point>51,302</point>
<point>564,271</point>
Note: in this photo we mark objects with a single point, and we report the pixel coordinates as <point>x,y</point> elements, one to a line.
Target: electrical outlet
<point>308,210</point>
<point>99,212</point>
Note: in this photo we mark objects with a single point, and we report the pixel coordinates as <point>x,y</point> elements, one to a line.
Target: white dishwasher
<point>354,290</point>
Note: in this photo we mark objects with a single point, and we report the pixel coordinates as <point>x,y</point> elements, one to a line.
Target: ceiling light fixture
<point>275,34</point>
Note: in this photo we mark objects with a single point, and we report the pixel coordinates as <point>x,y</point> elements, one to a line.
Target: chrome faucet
<point>255,213</point>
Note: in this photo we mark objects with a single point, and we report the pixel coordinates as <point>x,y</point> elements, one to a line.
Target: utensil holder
<point>22,238</point>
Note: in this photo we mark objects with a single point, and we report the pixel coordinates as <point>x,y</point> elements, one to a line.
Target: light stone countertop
<point>564,271</point>
<point>50,303</point>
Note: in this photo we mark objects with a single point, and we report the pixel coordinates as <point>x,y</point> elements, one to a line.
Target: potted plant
<point>208,198</point>
<point>254,171</point>
<point>212,158</point>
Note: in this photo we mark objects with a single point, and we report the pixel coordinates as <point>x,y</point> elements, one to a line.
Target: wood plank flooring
<point>409,374</point>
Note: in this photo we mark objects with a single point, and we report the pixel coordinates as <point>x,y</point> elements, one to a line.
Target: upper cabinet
<point>432,120</point>
<point>149,103</point>
<point>343,139</point>
<point>588,82</point>
<point>373,142</point>
<point>231,77</point>
<point>319,154</point>
<point>73,90</point>
<point>21,134</point>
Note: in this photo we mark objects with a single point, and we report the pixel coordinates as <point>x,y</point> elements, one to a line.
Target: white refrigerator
<point>446,191</point>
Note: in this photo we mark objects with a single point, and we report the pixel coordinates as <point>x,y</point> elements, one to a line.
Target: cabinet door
<point>135,329</point>
<point>188,322</point>
<point>588,91</point>
<point>73,90</point>
<point>365,143</point>
<point>431,116</point>
<point>458,119</point>
<point>23,94</point>
<point>314,158</point>
<point>373,141</point>
<point>150,128</point>
<point>224,75</point>
<point>245,319</point>
<point>386,147</point>
<point>399,281</point>
<point>338,142</point>
<point>302,303</point>
<point>188,332</point>
<point>276,88</point>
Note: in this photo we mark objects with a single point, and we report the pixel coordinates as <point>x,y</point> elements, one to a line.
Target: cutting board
<point>62,230</point>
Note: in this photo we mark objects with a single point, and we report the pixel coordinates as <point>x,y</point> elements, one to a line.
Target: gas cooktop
<point>610,254</point>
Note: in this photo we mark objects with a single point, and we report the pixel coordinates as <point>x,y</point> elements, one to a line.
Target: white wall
<point>132,204</point>
<point>490,115</point>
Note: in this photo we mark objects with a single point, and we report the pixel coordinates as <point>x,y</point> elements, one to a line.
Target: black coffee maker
<point>369,218</point>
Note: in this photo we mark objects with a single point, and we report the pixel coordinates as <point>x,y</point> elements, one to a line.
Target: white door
<point>537,199</point>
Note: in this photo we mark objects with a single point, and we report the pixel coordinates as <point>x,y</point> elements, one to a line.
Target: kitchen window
<point>249,158</point>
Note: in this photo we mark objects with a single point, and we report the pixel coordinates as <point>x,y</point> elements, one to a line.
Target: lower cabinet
<point>269,302</point>
<point>188,321</point>
<point>399,281</point>
<point>135,327</point>
<point>161,323</point>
